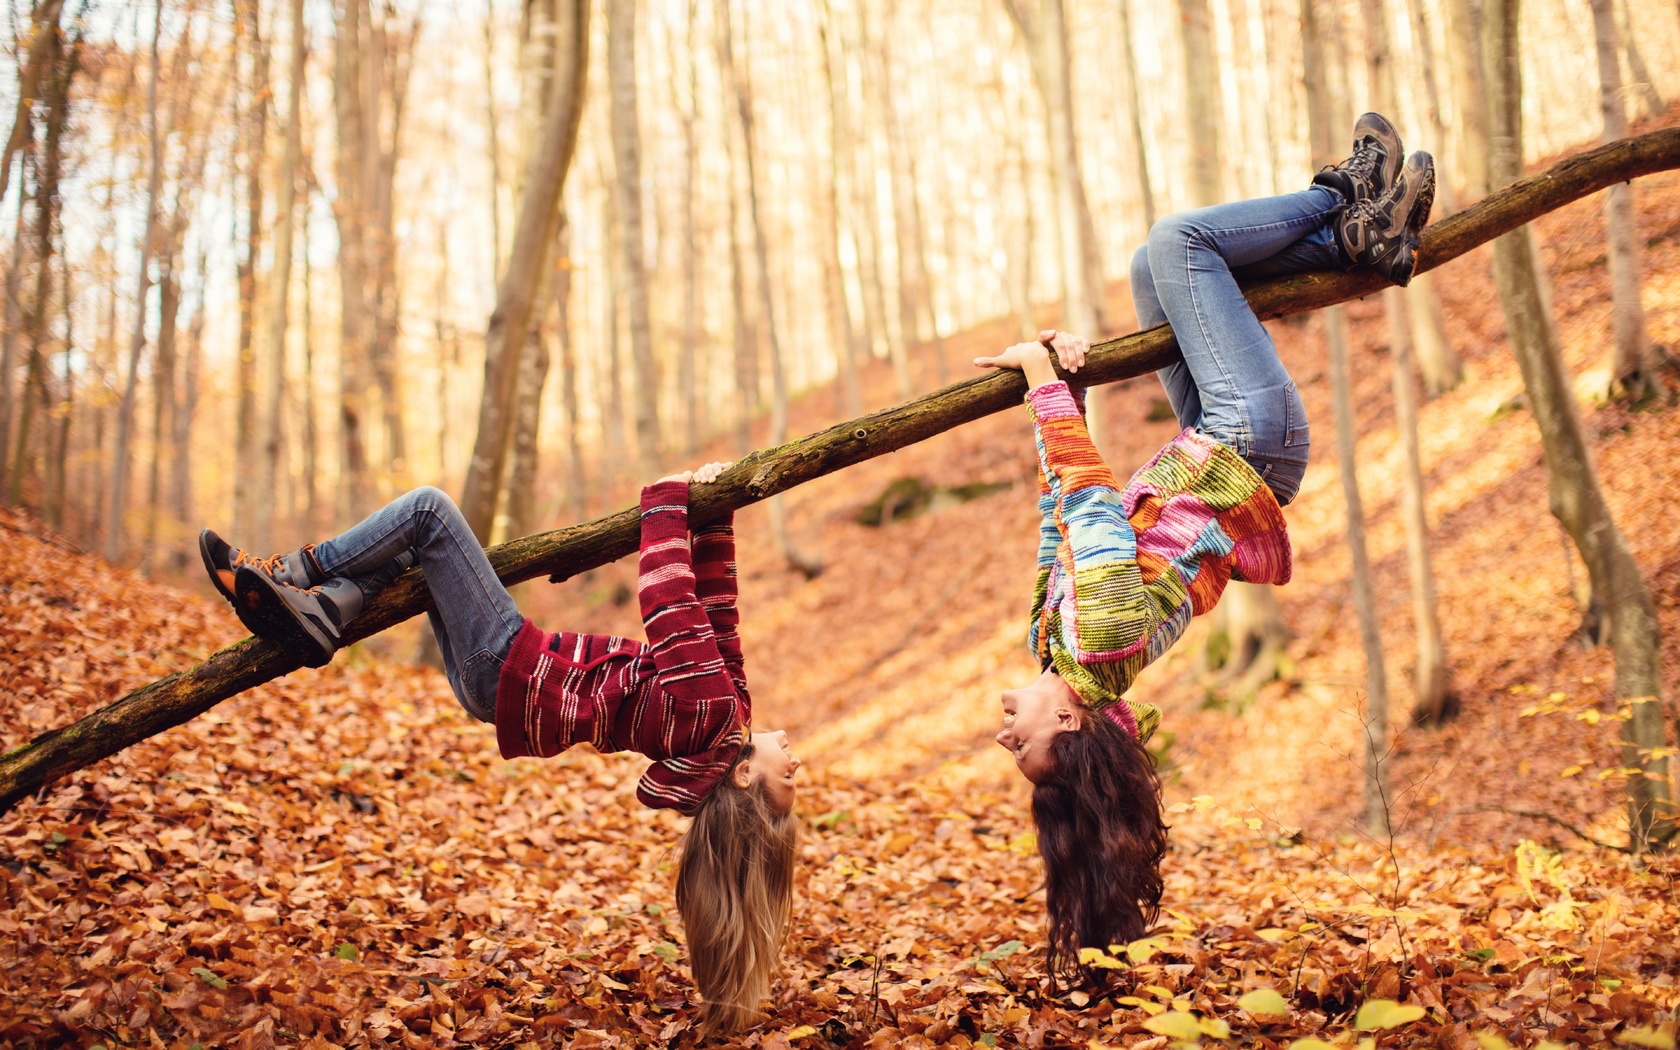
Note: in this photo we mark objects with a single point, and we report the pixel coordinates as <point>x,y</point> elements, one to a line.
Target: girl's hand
<point>710,472</point>
<point>1017,357</point>
<point>685,477</point>
<point>1070,349</point>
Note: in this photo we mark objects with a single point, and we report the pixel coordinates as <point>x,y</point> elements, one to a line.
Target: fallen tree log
<point>565,552</point>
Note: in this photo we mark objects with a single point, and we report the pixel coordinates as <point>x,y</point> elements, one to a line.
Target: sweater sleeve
<point>716,585</point>
<point>682,643</point>
<point>1106,607</point>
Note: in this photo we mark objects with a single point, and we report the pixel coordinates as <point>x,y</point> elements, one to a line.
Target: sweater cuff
<point>665,496</point>
<point>1052,401</point>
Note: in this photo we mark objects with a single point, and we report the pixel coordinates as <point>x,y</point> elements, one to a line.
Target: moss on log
<point>562,553</point>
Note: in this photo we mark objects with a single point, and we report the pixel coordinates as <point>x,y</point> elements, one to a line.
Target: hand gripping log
<point>565,552</point>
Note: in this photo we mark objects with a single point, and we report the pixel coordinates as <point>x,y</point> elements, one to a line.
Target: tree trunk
<point>627,164</point>
<point>533,373</point>
<point>164,397</point>
<point>1630,373</point>
<point>350,213</point>
<point>533,239</point>
<point>868,156</point>
<point>137,338</point>
<point>251,502</point>
<point>842,329</point>
<point>1643,84</point>
<point>1134,106</point>
<point>1430,674</point>
<point>1464,64</point>
<point>491,126</point>
<point>1201,71</point>
<point>311,439</point>
<point>43,35</point>
<point>691,369</point>
<point>280,278</point>
<point>9,328</point>
<point>578,486</point>
<point>808,565</point>
<point>1374,718</point>
<point>567,552</point>
<point>181,501</point>
<point>1576,499</point>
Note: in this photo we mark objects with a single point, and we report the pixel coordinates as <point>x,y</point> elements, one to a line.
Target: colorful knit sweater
<point>1120,573</point>
<point>680,699</point>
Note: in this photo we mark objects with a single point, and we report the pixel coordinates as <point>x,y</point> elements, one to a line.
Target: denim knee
<point>1169,238</point>
<point>1145,301</point>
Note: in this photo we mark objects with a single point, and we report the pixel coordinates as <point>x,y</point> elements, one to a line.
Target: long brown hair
<point>1102,838</point>
<point>735,892</point>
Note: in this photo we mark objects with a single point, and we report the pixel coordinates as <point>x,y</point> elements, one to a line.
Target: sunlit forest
<point>269,264</point>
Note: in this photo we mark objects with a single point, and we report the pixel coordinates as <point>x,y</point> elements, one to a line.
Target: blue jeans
<point>1230,384</point>
<point>474,618</point>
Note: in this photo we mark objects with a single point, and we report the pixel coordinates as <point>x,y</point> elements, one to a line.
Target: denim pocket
<point>480,676</point>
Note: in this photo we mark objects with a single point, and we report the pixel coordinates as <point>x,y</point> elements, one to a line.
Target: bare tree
<point>533,240</point>
<point>1630,372</point>
<point>1621,608</point>
<point>738,78</point>
<point>43,35</point>
<point>627,165</point>
<point>280,277</point>
<point>1464,62</point>
<point>249,506</point>
<point>1134,109</point>
<point>1374,720</point>
<point>137,340</point>
<point>691,362</point>
<point>841,326</point>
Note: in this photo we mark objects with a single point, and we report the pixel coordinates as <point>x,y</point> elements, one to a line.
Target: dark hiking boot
<point>307,621</point>
<point>1383,233</point>
<point>1373,166</point>
<point>222,560</point>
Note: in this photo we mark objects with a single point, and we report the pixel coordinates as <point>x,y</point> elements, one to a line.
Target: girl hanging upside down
<point>680,699</point>
<point>1122,570</point>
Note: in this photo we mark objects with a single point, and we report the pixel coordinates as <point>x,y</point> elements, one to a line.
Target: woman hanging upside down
<point>680,699</point>
<point>1122,570</point>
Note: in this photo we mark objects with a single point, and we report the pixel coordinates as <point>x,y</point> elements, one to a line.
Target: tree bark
<point>1201,68</point>
<point>137,338</point>
<point>691,367</point>
<point>1630,374</point>
<point>181,484</point>
<point>9,339</point>
<point>533,238</point>
<point>627,165</point>
<point>1464,62</point>
<point>1643,84</point>
<point>566,552</point>
<point>1577,501</point>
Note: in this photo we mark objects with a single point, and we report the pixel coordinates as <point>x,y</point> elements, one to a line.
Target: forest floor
<point>341,858</point>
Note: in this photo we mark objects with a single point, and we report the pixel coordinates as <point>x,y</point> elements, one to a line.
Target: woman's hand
<point>711,472</point>
<point>1017,357</point>
<point>1070,349</point>
<point>1033,359</point>
<point>703,476</point>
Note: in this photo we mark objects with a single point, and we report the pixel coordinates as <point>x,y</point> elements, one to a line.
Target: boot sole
<point>1416,220</point>
<point>210,567</point>
<point>268,616</point>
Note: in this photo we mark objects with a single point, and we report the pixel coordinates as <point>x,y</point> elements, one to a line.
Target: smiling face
<point>1032,719</point>
<point>772,761</point>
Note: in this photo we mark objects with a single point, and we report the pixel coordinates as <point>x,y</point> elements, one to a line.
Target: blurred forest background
<point>258,251</point>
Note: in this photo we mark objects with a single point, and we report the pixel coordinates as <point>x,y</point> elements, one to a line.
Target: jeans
<point>1230,384</point>
<point>474,618</point>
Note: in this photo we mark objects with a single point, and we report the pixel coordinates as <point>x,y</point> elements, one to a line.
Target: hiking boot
<point>1374,165</point>
<point>307,621</point>
<point>1383,233</point>
<point>222,560</point>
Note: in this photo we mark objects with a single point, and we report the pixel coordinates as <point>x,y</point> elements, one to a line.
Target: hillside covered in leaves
<point>340,858</point>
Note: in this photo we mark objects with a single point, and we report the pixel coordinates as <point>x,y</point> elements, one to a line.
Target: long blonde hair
<point>735,892</point>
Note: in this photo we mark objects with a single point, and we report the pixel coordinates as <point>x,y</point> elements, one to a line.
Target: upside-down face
<point>773,761</point>
<point>1033,717</point>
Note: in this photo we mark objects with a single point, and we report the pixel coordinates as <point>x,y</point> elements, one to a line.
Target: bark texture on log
<point>565,552</point>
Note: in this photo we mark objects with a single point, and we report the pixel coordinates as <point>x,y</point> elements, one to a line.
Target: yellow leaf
<point>1264,1001</point>
<point>1157,990</point>
<point>1271,933</point>
<point>1254,823</point>
<point>1174,1025</point>
<point>1015,1015</point>
<point>801,1032</point>
<point>1312,1044</point>
<point>1385,1014</point>
<point>1142,951</point>
<point>1590,717</point>
<point>1492,1041</point>
<point>1214,1028</point>
<point>1646,1036</point>
<point>1572,770</point>
<point>219,902</point>
<point>1099,959</point>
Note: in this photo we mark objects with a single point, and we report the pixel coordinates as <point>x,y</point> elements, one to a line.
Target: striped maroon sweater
<point>680,698</point>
